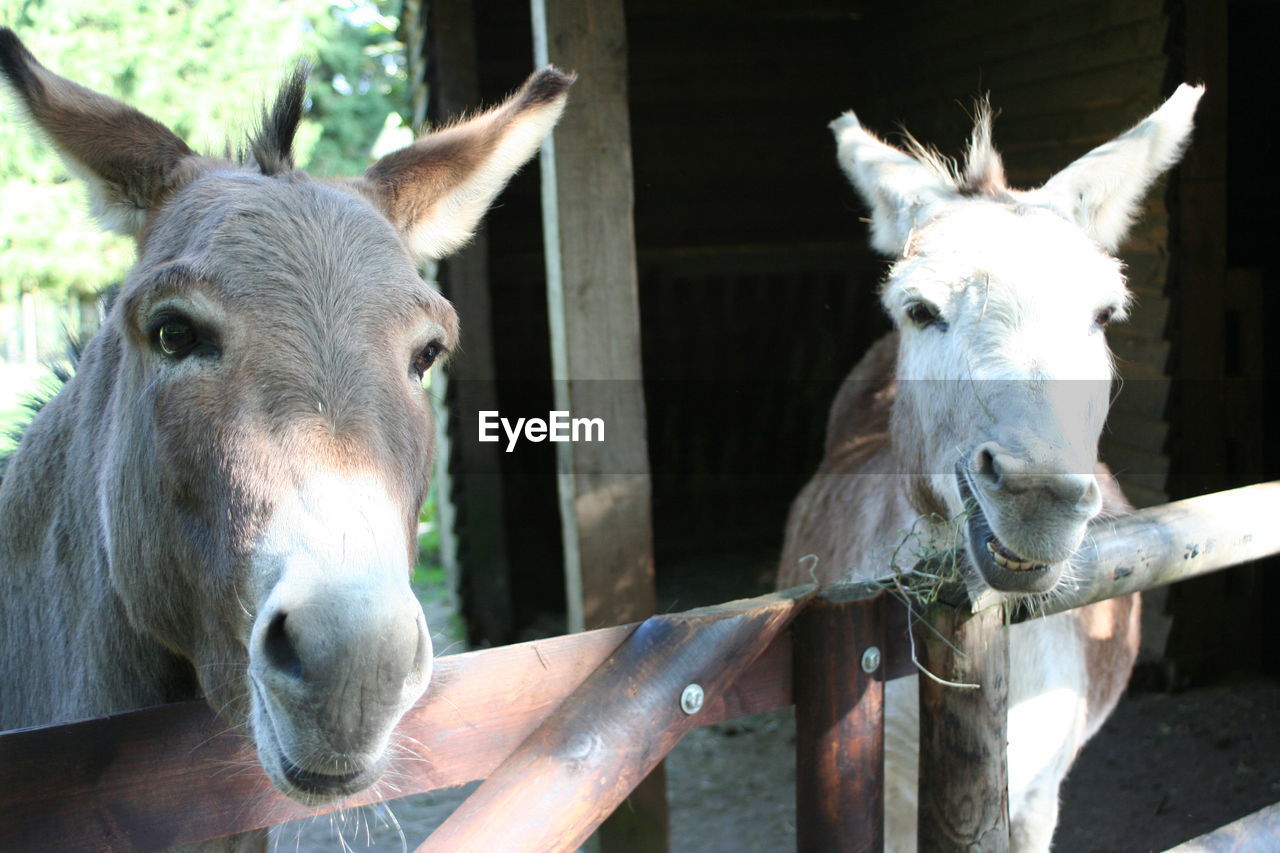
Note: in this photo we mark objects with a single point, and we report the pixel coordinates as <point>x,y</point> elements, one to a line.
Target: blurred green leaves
<point>204,68</point>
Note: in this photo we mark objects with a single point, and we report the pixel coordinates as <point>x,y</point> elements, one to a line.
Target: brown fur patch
<point>133,155</point>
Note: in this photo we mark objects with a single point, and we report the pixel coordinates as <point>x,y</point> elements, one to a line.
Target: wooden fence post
<point>964,786</point>
<point>840,665</point>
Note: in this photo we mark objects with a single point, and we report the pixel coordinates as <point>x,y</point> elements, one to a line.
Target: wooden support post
<point>469,489</point>
<point>840,666</point>
<point>964,785</point>
<point>594,310</point>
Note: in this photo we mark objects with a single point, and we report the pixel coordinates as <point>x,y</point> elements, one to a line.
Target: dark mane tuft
<point>36,400</point>
<point>271,148</point>
<point>983,171</point>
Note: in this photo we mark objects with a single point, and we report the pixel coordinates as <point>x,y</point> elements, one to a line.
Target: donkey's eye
<point>426,357</point>
<point>925,314</point>
<point>1103,317</point>
<point>176,338</point>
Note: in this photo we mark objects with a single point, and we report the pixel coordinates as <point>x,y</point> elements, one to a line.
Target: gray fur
<point>237,522</point>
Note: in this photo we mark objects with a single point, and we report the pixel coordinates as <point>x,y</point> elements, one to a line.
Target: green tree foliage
<point>358,84</point>
<point>204,68</point>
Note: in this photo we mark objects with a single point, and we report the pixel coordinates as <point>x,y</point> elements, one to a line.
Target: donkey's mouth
<point>324,781</point>
<point>1009,559</point>
<point>1000,566</point>
<point>319,786</point>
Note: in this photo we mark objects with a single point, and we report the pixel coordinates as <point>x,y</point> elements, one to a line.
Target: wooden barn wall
<point>755,284</point>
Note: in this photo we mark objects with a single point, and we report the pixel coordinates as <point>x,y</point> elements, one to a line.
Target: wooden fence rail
<point>174,774</point>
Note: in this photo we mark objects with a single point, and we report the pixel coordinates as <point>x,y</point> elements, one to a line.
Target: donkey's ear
<point>129,161</point>
<point>436,190</point>
<point>1101,191</point>
<point>898,187</point>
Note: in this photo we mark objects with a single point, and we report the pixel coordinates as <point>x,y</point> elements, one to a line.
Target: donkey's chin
<point>315,779</point>
<point>1001,567</point>
<point>317,787</point>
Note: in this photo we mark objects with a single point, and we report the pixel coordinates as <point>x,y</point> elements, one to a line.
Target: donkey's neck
<point>63,629</point>
<point>849,521</point>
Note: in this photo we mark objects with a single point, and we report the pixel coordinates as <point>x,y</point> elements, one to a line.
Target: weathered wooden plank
<point>583,761</point>
<point>1173,542</point>
<point>1084,90</point>
<point>1133,429</point>
<point>939,24</point>
<point>1042,51</point>
<point>1255,833</point>
<point>175,774</point>
<point>964,776</point>
<point>594,312</point>
<point>840,723</point>
<point>152,778</point>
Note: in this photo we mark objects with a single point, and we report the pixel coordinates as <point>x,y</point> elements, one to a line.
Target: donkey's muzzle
<point>334,667</point>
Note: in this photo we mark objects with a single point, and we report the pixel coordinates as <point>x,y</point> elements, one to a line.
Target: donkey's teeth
<point>1007,559</point>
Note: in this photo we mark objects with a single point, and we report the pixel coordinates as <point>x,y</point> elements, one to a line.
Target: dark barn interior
<point>757,292</point>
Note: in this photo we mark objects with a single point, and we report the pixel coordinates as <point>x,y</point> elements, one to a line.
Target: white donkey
<point>976,423</point>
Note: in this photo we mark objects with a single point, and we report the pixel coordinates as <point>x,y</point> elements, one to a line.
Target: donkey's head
<point>267,440</point>
<point>1000,297</point>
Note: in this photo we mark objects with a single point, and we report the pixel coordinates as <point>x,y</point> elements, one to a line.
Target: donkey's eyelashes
<point>925,314</point>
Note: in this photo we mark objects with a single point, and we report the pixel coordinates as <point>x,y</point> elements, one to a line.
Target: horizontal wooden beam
<point>1164,544</point>
<point>175,774</point>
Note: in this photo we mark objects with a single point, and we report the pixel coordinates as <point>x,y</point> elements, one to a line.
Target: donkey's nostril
<point>279,648</point>
<point>984,465</point>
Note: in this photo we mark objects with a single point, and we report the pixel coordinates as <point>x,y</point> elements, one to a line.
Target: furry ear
<point>436,190</point>
<point>129,161</point>
<point>898,187</point>
<point>1101,191</point>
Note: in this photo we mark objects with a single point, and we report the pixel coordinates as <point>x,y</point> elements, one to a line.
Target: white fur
<point>1101,191</point>
<point>335,555</point>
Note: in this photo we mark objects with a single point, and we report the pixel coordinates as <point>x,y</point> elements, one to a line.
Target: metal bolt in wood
<point>691,699</point>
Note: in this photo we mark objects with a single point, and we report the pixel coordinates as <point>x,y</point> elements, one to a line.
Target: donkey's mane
<point>271,146</point>
<point>983,171</point>
<point>36,400</point>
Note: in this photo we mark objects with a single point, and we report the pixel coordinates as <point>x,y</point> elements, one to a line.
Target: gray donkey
<point>222,502</point>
